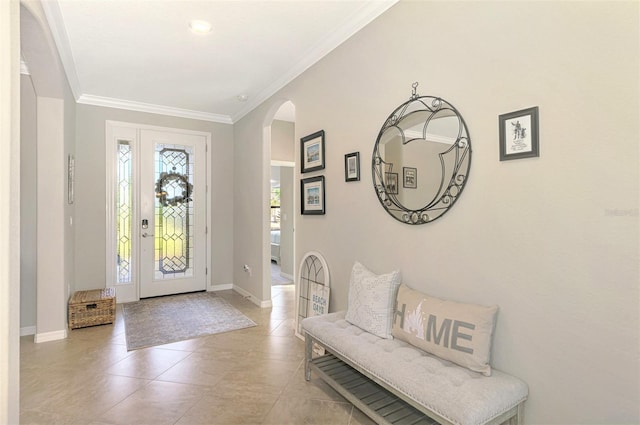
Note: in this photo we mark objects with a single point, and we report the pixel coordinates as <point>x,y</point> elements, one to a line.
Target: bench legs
<point>308,355</point>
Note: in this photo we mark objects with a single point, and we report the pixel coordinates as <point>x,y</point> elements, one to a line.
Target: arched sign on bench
<point>312,290</point>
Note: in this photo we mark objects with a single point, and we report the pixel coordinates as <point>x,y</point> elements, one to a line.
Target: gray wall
<point>282,141</point>
<point>28,204</point>
<point>286,224</point>
<point>552,240</point>
<point>90,190</point>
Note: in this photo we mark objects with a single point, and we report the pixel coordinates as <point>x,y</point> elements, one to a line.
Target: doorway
<point>281,135</point>
<point>157,224</point>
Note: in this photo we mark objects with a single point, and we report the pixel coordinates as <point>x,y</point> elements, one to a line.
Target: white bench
<point>396,383</point>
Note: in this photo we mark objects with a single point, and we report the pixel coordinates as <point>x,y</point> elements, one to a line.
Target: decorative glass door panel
<point>124,213</point>
<point>173,213</point>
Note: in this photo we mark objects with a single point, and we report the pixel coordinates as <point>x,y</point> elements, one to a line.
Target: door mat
<point>163,320</point>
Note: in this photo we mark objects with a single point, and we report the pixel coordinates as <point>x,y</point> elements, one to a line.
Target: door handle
<point>146,235</point>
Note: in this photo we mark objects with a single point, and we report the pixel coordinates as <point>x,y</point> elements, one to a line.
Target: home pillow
<point>372,300</point>
<point>460,333</point>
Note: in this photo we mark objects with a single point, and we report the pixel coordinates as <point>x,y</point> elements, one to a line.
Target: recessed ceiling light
<point>243,97</point>
<point>200,27</point>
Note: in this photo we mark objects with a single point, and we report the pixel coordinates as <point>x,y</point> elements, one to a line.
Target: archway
<point>279,151</point>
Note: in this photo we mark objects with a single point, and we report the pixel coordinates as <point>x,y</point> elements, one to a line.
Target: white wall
<point>552,240</point>
<point>90,190</point>
<point>55,139</point>
<point>9,217</point>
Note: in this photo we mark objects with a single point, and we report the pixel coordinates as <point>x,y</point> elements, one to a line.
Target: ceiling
<point>141,54</point>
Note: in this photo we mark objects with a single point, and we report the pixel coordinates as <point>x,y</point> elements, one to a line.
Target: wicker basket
<point>91,308</point>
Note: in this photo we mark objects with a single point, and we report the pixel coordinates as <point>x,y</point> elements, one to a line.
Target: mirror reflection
<point>421,160</point>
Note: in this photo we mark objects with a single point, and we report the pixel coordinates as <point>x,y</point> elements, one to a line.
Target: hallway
<point>250,376</point>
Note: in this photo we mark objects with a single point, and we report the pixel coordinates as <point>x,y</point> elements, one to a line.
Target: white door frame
<point>117,130</point>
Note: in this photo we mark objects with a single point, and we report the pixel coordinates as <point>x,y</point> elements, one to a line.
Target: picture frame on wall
<point>352,167</point>
<point>312,152</point>
<point>391,183</point>
<point>312,196</point>
<point>71,171</point>
<point>519,134</point>
<point>409,177</point>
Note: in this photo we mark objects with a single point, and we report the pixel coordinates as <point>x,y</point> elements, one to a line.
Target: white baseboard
<point>28,330</point>
<point>50,336</point>
<point>252,298</point>
<point>223,287</point>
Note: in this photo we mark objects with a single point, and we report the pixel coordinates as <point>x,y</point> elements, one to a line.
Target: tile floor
<point>250,376</point>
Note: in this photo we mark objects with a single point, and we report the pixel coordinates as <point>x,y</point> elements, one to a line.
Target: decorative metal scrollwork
<point>174,183</point>
<point>421,159</point>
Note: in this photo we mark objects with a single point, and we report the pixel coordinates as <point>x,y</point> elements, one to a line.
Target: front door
<point>172,219</point>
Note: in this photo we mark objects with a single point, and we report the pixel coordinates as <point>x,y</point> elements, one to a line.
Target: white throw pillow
<point>372,300</point>
<point>458,332</point>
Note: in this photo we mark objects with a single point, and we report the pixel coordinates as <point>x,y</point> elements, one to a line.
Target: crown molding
<point>367,13</point>
<point>108,102</point>
<point>359,19</point>
<point>61,39</point>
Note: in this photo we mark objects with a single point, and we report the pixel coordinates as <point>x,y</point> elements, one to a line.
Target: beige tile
<point>156,403</point>
<point>186,345</point>
<point>147,363</point>
<point>265,376</point>
<point>295,411</point>
<point>315,388</point>
<point>230,407</point>
<point>33,417</point>
<point>89,398</point>
<point>250,376</point>
<point>284,327</point>
<point>205,368</point>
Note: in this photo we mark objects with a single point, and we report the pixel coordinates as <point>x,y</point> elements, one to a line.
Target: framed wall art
<point>312,152</point>
<point>312,195</point>
<point>409,177</point>
<point>352,167</point>
<point>519,134</point>
<point>71,175</point>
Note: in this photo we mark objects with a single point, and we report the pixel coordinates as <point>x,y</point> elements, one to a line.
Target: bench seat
<point>443,390</point>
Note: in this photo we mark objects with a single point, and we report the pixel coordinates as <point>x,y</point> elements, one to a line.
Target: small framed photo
<point>391,183</point>
<point>312,152</point>
<point>410,177</point>
<point>312,195</point>
<point>519,134</point>
<point>352,167</point>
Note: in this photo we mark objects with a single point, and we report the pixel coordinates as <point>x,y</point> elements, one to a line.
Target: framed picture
<point>352,167</point>
<point>71,171</point>
<point>410,177</point>
<point>312,152</point>
<point>312,195</point>
<point>519,134</point>
<point>391,182</point>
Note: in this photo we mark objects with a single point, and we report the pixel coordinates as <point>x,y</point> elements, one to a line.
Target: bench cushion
<point>455,393</point>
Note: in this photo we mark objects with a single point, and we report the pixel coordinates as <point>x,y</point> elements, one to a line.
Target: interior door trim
<point>113,130</point>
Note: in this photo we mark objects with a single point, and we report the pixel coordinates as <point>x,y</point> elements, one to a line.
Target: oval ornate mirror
<point>421,159</point>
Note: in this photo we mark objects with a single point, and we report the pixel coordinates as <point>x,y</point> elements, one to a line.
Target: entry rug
<point>163,320</point>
